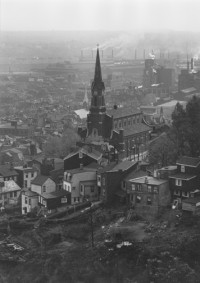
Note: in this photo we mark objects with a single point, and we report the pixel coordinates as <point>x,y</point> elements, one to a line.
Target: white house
<point>43,184</point>
<point>81,183</point>
<point>9,192</point>
<point>29,201</point>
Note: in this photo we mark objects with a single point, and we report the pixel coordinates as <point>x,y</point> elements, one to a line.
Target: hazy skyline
<point>139,15</point>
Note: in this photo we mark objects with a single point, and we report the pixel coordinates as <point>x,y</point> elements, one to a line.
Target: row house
<point>81,183</point>
<point>110,177</point>
<point>26,175</point>
<point>186,182</point>
<point>148,195</point>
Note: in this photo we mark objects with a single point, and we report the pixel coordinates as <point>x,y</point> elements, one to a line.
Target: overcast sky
<point>100,14</point>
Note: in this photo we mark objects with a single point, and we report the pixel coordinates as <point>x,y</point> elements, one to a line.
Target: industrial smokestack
<point>192,63</point>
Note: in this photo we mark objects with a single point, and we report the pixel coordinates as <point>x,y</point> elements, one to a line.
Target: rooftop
<point>10,186</point>
<point>188,161</point>
<point>124,165</point>
<point>7,171</point>
<point>183,176</point>
<point>137,128</point>
<point>122,112</point>
<point>148,180</point>
<point>56,194</point>
<point>40,180</point>
<point>87,151</point>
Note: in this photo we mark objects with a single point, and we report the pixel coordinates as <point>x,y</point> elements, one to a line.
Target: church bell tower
<point>96,117</point>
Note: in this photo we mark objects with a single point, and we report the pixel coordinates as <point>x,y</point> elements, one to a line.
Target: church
<point>122,128</point>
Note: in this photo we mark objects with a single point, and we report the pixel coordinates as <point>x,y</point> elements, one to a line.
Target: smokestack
<point>192,63</point>
<point>135,54</point>
<point>144,54</point>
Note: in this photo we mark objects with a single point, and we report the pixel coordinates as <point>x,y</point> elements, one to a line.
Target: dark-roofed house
<point>186,181</point>
<point>85,156</point>
<point>7,172</point>
<point>110,177</point>
<point>43,184</point>
<point>54,200</point>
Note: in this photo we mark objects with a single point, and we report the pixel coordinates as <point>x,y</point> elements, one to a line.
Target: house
<point>12,155</point>
<point>81,183</point>
<point>9,193</point>
<point>191,205</point>
<point>149,195</point>
<point>25,175</point>
<point>46,165</point>
<point>43,184</point>
<point>85,156</point>
<point>54,200</point>
<point>29,200</point>
<point>57,177</point>
<point>109,179</point>
<point>186,181</point>
<point>7,172</point>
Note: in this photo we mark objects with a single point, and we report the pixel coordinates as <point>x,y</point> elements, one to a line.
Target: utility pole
<point>92,228</point>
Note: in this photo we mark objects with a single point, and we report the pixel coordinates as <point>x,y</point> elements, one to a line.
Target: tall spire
<point>97,82</point>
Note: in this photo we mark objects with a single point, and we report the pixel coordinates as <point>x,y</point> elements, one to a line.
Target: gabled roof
<point>6,171</point>
<point>91,153</point>
<point>40,180</point>
<point>188,161</point>
<point>10,186</point>
<point>124,165</point>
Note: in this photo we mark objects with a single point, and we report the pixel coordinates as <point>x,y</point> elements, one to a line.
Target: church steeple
<point>97,83</point>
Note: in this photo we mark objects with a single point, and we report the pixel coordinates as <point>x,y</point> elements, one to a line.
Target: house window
<point>129,121</point>
<point>75,199</point>
<point>185,194</point>
<point>78,199</point>
<point>155,190</point>
<point>133,187</point>
<point>123,184</point>
<point>26,175</point>
<point>124,123</point>
<point>82,188</point>
<point>177,192</point>
<point>178,182</point>
<point>15,194</point>
<point>32,175</point>
<point>44,189</point>
<point>65,187</point>
<point>25,184</point>
<point>138,199</point>
<point>149,189</point>
<point>98,178</point>
<point>92,189</point>
<point>149,201</point>
<point>182,168</point>
<point>134,120</point>
<point>139,187</point>
<point>120,124</point>
<point>11,195</point>
<point>26,200</point>
<point>29,201</point>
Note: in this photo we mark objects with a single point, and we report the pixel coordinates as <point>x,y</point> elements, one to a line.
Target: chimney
<point>81,166</point>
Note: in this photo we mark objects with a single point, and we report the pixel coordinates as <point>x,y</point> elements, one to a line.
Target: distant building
<point>15,129</point>
<point>29,200</point>
<point>7,172</point>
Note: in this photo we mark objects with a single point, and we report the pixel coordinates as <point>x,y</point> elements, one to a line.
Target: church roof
<point>97,83</point>
<point>136,129</point>
<point>122,112</point>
